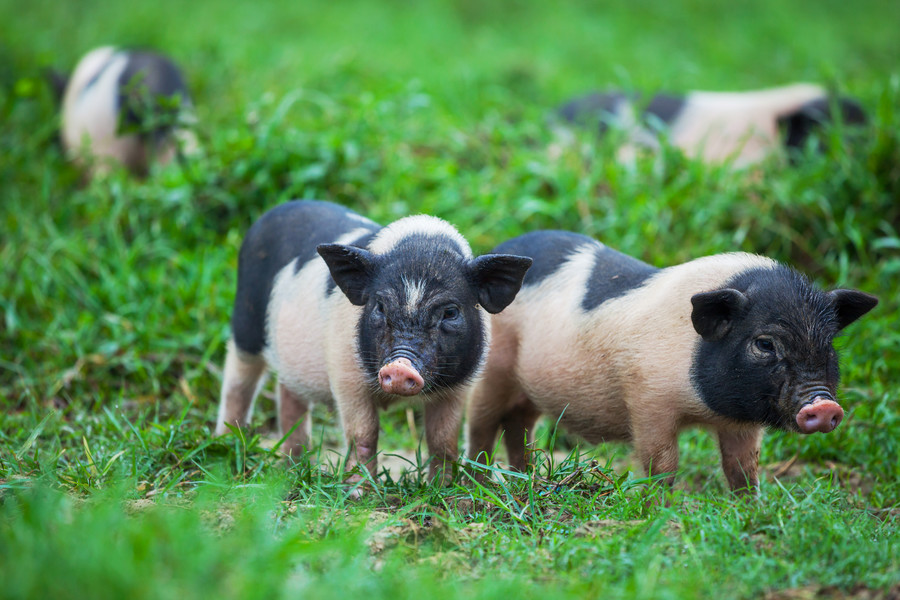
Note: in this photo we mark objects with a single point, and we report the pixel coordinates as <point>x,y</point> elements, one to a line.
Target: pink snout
<point>399,377</point>
<point>820,415</point>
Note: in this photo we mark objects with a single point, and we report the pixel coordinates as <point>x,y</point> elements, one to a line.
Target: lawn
<point>115,298</point>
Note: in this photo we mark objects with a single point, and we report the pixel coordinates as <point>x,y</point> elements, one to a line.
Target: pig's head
<point>766,351</point>
<point>422,327</point>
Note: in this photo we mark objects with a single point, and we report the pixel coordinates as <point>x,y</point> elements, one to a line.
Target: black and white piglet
<point>744,127</point>
<point>619,350</point>
<point>349,312</point>
<point>121,106</point>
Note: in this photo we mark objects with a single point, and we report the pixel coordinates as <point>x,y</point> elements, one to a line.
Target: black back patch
<point>665,108</point>
<point>150,88</point>
<point>614,274</point>
<point>289,232</point>
<point>548,249</point>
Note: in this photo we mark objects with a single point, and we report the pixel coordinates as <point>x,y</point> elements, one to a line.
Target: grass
<point>115,297</point>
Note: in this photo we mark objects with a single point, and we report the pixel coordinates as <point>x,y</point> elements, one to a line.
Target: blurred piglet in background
<point>741,127</point>
<point>127,107</point>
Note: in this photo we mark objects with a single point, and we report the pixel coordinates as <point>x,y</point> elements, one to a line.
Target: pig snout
<point>821,415</point>
<point>399,377</point>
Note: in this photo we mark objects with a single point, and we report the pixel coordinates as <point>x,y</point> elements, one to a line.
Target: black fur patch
<point>548,249</point>
<point>146,78</point>
<point>800,320</point>
<point>614,274</point>
<point>665,108</point>
<point>289,232</point>
<point>808,120</point>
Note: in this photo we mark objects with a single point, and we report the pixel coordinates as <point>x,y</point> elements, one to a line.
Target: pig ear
<point>498,278</point>
<point>351,268</point>
<point>851,305</point>
<point>715,311</point>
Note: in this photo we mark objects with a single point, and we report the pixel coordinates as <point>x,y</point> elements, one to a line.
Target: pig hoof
<point>820,416</point>
<point>400,378</point>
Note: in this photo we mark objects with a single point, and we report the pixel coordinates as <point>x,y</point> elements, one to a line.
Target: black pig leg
<point>740,457</point>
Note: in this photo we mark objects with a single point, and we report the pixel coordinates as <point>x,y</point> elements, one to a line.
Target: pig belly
<point>562,378</point>
<point>296,327</point>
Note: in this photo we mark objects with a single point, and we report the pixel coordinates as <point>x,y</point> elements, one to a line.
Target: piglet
<point>741,127</point>
<point>616,349</point>
<point>348,312</point>
<point>125,107</point>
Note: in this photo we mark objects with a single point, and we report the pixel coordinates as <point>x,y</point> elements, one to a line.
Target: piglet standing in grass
<point>126,107</point>
<point>616,349</point>
<point>349,312</point>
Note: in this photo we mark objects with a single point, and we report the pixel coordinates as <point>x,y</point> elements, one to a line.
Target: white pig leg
<point>243,377</point>
<point>740,457</point>
<point>443,418</point>
<point>293,409</point>
<point>656,445</point>
<point>518,432</point>
<point>359,419</point>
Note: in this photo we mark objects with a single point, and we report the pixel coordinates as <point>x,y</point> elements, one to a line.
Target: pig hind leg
<point>242,379</point>
<point>656,445</point>
<point>497,403</point>
<point>293,410</point>
<point>518,431</point>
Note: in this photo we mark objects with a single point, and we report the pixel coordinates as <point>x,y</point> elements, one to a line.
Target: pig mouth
<point>820,415</point>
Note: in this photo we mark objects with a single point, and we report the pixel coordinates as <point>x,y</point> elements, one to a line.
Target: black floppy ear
<point>497,279</point>
<point>715,311</point>
<point>851,305</point>
<point>351,268</point>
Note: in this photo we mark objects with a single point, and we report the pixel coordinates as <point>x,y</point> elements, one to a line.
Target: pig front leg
<point>740,457</point>
<point>293,409</point>
<point>241,381</point>
<point>443,419</point>
<point>359,418</point>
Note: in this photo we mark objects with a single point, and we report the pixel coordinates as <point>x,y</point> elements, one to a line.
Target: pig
<point>741,127</point>
<point>121,107</point>
<point>615,349</point>
<point>350,313</point>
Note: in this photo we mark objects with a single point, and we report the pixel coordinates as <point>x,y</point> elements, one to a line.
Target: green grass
<point>115,298</point>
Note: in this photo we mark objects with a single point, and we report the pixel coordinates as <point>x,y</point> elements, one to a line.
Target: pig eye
<point>450,313</point>
<point>378,311</point>
<point>764,345</point>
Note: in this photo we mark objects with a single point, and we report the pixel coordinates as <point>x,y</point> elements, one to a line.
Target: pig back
<point>286,238</point>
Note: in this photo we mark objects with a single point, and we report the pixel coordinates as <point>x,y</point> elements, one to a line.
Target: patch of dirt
<point>830,592</point>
